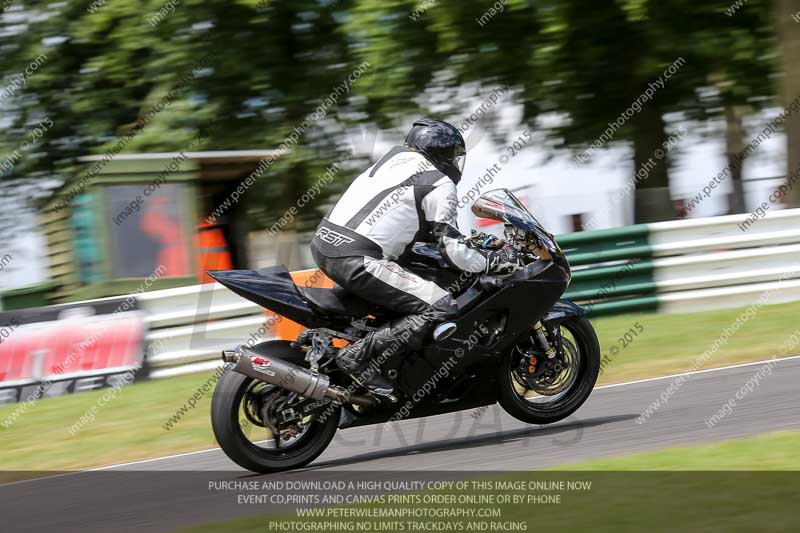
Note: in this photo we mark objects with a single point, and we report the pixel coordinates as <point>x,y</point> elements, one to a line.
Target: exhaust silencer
<point>291,377</point>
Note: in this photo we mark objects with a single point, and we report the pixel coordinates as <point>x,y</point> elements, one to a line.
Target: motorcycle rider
<point>408,196</point>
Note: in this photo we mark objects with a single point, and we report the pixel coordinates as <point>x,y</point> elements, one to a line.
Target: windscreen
<point>502,205</point>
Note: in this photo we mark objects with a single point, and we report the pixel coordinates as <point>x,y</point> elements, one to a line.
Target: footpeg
<point>385,396</point>
<point>443,331</point>
<point>376,385</point>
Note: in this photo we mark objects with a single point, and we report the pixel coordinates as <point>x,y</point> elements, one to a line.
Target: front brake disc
<point>560,372</point>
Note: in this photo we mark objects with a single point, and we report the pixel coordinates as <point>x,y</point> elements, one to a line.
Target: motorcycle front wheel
<point>554,395</point>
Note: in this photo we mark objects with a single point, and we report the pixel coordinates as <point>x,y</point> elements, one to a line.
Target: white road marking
<point>717,369</point>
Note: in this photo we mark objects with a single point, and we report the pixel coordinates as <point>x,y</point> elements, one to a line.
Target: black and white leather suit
<point>400,200</point>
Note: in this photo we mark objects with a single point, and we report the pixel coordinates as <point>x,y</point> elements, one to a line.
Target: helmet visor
<point>459,161</point>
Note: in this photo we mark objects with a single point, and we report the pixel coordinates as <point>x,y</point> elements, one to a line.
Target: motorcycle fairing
<point>273,289</point>
<point>562,311</point>
<point>525,301</point>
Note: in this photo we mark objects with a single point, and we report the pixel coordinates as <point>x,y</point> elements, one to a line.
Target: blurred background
<point>102,98</point>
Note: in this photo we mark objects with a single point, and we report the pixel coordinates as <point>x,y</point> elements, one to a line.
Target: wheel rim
<point>250,415</point>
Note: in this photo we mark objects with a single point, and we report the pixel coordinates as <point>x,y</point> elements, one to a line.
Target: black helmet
<point>441,143</point>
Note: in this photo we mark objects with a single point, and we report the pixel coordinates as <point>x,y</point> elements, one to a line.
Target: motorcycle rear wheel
<point>521,404</point>
<point>232,429</point>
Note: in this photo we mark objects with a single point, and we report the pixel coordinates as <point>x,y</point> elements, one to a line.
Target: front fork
<point>550,350</point>
<point>542,341</point>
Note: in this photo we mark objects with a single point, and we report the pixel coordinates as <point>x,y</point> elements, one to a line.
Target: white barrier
<point>190,326</point>
<point>725,263</point>
<point>673,266</point>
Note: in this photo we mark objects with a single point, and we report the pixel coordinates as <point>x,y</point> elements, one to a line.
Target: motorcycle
<point>280,402</point>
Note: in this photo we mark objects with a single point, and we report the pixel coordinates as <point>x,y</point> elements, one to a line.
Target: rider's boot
<point>396,337</point>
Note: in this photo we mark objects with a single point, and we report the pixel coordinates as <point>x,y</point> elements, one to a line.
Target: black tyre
<point>580,370</point>
<point>241,432</point>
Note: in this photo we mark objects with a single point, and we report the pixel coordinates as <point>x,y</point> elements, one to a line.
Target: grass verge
<point>771,451</point>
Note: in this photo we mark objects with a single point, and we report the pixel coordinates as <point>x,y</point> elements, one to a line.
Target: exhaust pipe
<point>291,377</point>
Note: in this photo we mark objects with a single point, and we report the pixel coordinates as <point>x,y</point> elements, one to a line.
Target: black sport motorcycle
<point>279,404</point>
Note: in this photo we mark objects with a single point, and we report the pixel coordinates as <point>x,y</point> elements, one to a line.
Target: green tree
<point>269,66</point>
<point>612,51</point>
<point>272,63</point>
<point>586,62</point>
<point>786,15</point>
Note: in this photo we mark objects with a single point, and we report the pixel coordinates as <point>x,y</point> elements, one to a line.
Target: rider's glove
<point>503,261</point>
<point>486,241</point>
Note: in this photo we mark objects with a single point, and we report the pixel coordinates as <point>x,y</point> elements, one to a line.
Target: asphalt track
<point>606,425</point>
<point>155,495</point>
